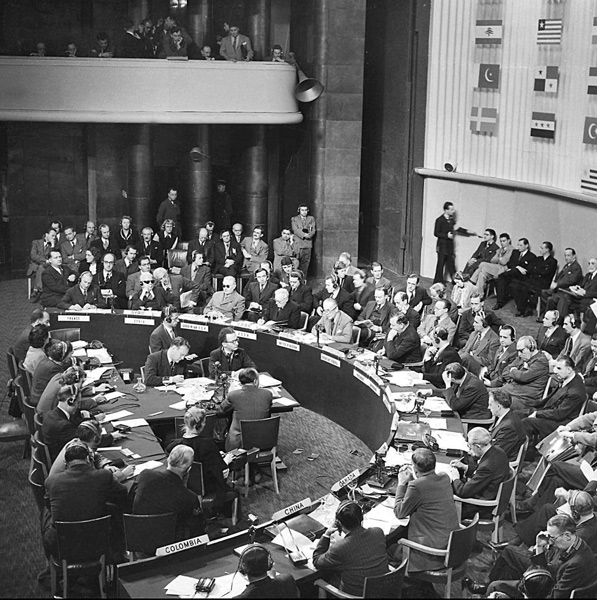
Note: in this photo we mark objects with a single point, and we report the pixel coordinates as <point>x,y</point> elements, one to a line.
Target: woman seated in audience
<point>462,290</point>
<point>215,466</point>
<point>551,338</point>
<point>56,360</point>
<point>92,261</point>
<point>38,337</point>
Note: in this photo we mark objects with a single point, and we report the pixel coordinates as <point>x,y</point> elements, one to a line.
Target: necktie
<point>590,367</point>
<point>73,245</point>
<point>227,250</point>
<point>476,343</point>
<point>193,273</point>
<point>436,322</point>
<point>567,347</point>
<point>172,368</point>
<point>235,43</point>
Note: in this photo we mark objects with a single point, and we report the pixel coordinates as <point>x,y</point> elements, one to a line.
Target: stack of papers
<point>382,516</point>
<point>78,344</point>
<point>435,423</point>
<point>266,380</point>
<point>450,440</point>
<point>452,472</point>
<point>393,458</point>
<point>435,404</point>
<point>404,378</point>
<point>95,374</point>
<point>117,415</point>
<point>101,354</point>
<point>150,464</point>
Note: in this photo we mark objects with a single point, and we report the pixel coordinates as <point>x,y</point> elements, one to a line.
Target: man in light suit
<point>89,235</point>
<point>304,229</point>
<point>161,337</point>
<point>280,310</point>
<point>227,304</point>
<point>254,249</point>
<point>247,404</point>
<point>439,318</point>
<point>578,344</point>
<point>56,280</point>
<point>169,289</point>
<point>507,431</point>
<point>133,281</point>
<point>166,366</point>
<point>82,296</point>
<point>375,318</point>
<point>467,318</point>
<point>426,498</point>
<point>484,253</point>
<point>335,325</point>
<point>480,349</point>
<point>235,46</point>
<point>199,273</point>
<point>72,249</point>
<point>257,295</point>
<point>285,245</point>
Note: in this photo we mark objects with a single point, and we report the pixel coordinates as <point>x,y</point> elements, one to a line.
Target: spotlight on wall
<point>450,166</point>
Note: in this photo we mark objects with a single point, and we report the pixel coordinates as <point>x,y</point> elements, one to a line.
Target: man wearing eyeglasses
<point>229,357</point>
<point>227,304</point>
<point>111,284</point>
<point>335,325</point>
<point>146,298</point>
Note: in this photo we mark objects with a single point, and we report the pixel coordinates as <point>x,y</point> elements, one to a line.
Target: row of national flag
<point>549,31</point>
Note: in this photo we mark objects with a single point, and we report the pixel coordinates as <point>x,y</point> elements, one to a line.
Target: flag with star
<point>488,32</point>
<point>546,79</point>
<point>590,131</point>
<point>592,89</point>
<point>594,37</point>
<point>483,120</point>
<point>489,76</point>
<point>589,183</point>
<point>549,31</point>
<point>543,125</point>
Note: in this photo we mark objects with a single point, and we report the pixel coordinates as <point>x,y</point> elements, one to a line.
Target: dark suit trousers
<point>523,294</point>
<point>510,565</point>
<point>538,428</point>
<point>561,474</point>
<point>529,528</point>
<point>502,288</point>
<point>445,262</point>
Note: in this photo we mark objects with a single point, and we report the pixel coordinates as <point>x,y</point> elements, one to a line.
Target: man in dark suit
<point>561,405</point>
<point>590,369</point>
<point>228,358</point>
<point>580,297</point>
<point>483,480</point>
<point>507,432</point>
<point>417,296</point>
<point>72,249</point>
<point>426,498</point>
<point>169,290</point>
<point>569,275</point>
<point>331,289</point>
<point>21,344</point>
<point>344,279</point>
<point>127,265</point>
<point>82,296</point>
<point>145,298</point>
<point>161,337</point>
<point>484,252</point>
<point>375,317</point>
<point>166,366</point>
<point>281,311</point>
<point>246,404</point>
<point>551,338</point>
<point>125,236</point>
<point>480,348</point>
<point>111,284</point>
<point>257,295</point>
<point>505,355</point>
<point>201,245</point>
<point>438,357</point>
<point>149,247</point>
<point>228,256</point>
<point>402,342</point>
<point>89,234</point>
<point>363,292</point>
<point>199,272</point>
<point>104,243</point>
<point>465,393</point>
<point>300,293</point>
<point>518,268</point>
<point>56,280</point>
<point>401,303</point>
<point>130,44</point>
<point>467,318</point>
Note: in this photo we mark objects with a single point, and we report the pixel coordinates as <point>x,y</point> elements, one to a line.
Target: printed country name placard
<point>136,321</point>
<point>194,326</point>
<point>352,476</point>
<point>365,379</point>
<point>194,318</point>
<point>330,360</point>
<point>288,345</point>
<point>248,335</point>
<point>142,313</point>
<point>74,318</point>
<point>334,351</point>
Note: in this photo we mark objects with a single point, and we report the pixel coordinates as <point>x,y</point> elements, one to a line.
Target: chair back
<point>66,335</point>
<point>26,381</point>
<point>177,258</point>
<point>516,464</point>
<point>485,423</point>
<point>38,459</point>
<point>26,408</point>
<point>355,338</point>
<point>11,359</point>
<point>39,424</point>
<point>195,481</point>
<point>460,544</point>
<point>36,480</point>
<point>260,433</point>
<point>304,320</point>
<point>588,406</point>
<point>182,245</point>
<point>207,431</point>
<point>44,452</point>
<point>204,362</point>
<point>81,541</point>
<point>455,339</point>
<point>546,390</point>
<point>589,591</point>
<point>386,586</point>
<point>146,533</point>
<point>504,494</point>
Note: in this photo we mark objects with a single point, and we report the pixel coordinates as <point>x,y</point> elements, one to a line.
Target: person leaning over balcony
<point>236,46</point>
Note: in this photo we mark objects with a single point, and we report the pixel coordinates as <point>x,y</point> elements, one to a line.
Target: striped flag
<point>594,38</point>
<point>483,120</point>
<point>592,89</point>
<point>590,183</point>
<point>488,32</point>
<point>543,125</point>
<point>549,31</point>
<point>546,79</point>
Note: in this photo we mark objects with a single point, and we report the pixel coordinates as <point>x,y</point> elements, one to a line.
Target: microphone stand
<point>296,557</point>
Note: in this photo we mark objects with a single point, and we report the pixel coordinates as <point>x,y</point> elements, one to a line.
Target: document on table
<point>325,513</point>
<point>450,440</point>
<point>404,378</point>
<point>393,458</point>
<point>292,540</point>
<point>117,415</point>
<point>436,404</point>
<point>95,374</point>
<point>101,354</point>
<point>78,344</point>
<point>131,423</point>
<point>150,464</point>
<point>383,516</point>
<point>113,396</point>
<point>452,472</point>
<point>435,422</point>
<point>227,586</point>
<point>266,380</point>
<point>282,401</point>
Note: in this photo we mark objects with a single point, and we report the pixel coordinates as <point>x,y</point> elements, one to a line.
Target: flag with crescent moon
<point>546,79</point>
<point>590,131</point>
<point>489,76</point>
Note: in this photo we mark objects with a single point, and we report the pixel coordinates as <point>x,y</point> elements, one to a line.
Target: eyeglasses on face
<point>234,341</point>
<point>146,281</point>
<point>227,285</point>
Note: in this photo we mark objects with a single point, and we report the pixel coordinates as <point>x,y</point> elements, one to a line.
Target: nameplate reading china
<point>330,359</point>
<point>334,351</point>
<point>249,335</point>
<point>288,345</point>
<point>134,321</point>
<point>290,510</point>
<point>346,480</point>
<point>182,545</point>
<point>73,317</point>
<point>194,326</point>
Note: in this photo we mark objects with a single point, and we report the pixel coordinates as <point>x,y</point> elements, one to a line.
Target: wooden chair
<point>589,591</point>
<point>304,321</point>
<point>500,505</point>
<point>41,451</point>
<point>588,406</point>
<point>177,258</point>
<point>356,335</point>
<point>455,339</point>
<point>144,534</point>
<point>485,423</point>
<point>208,430</point>
<point>204,362</point>
<point>261,434</point>
<point>381,586</point>
<point>516,466</point>
<point>196,484</point>
<point>81,545</point>
<point>460,545</point>
<point>37,477</point>
<point>66,335</point>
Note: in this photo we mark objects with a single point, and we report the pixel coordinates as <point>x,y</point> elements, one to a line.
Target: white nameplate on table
<point>346,480</point>
<point>387,402</point>
<point>73,318</point>
<point>290,510</point>
<point>365,379</point>
<point>135,321</point>
<point>195,318</point>
<point>288,345</point>
<point>334,351</point>
<point>142,313</point>
<point>182,545</point>
<point>330,360</point>
<point>194,326</point>
<point>132,423</point>
<point>248,335</point>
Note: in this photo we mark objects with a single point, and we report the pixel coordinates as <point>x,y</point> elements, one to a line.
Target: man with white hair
<point>281,311</point>
<point>160,492</point>
<point>169,290</point>
<point>335,325</point>
<point>111,284</point>
<point>227,304</point>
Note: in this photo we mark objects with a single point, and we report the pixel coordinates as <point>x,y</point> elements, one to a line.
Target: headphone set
<point>335,281</point>
<point>258,553</point>
<point>343,509</point>
<point>167,314</point>
<point>73,398</point>
<point>536,582</point>
<point>532,345</point>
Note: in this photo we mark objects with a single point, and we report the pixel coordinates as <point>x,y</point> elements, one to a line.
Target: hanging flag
<point>594,39</point>
<point>483,120</point>
<point>546,79</point>
<point>590,183</point>
<point>489,76</point>
<point>488,32</point>
<point>543,125</point>
<point>590,131</point>
<point>592,89</point>
<point>549,31</point>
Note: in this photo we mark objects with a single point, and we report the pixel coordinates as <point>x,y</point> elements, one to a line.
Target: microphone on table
<point>297,558</point>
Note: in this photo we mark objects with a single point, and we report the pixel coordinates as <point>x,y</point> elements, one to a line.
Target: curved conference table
<point>321,379</point>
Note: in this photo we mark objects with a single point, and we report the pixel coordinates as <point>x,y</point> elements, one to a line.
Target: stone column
<point>140,177</point>
<point>256,180</point>
<point>258,27</point>
<point>198,18</point>
<point>138,10</point>
<point>197,208</point>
